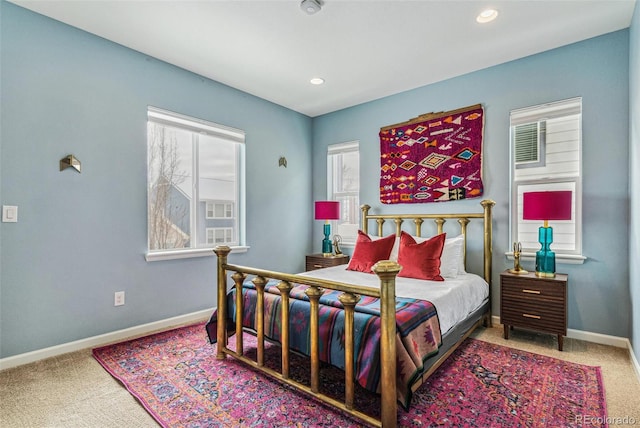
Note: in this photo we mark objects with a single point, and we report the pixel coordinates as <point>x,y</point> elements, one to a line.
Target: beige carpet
<point>73,390</point>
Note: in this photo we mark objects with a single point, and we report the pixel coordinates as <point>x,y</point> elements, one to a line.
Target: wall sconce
<point>70,161</point>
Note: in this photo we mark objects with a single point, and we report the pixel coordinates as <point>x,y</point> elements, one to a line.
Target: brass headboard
<point>440,219</point>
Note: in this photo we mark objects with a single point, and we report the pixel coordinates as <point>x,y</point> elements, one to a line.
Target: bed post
<point>222,252</point>
<point>387,271</point>
<point>488,204</point>
<point>364,223</point>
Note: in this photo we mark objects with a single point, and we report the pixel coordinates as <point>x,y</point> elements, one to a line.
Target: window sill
<point>188,254</point>
<point>568,259</point>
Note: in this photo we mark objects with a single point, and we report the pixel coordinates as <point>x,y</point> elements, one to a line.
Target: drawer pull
<point>537,317</point>
<point>531,291</point>
<point>318,266</point>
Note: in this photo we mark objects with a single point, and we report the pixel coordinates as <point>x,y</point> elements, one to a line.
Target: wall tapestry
<point>433,158</point>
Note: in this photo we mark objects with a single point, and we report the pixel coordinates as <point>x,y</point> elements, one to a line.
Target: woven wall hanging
<point>435,157</point>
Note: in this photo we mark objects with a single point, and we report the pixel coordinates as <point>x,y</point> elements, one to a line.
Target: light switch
<point>9,214</point>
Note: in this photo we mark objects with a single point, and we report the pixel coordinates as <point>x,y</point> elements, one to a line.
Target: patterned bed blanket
<point>418,332</point>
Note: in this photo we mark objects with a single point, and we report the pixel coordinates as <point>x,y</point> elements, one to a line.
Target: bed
<point>388,333</point>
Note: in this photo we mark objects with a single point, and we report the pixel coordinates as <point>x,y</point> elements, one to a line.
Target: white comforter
<point>454,299</point>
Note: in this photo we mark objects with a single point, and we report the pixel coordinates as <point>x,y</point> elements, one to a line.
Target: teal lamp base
<point>545,258</point>
<point>327,246</point>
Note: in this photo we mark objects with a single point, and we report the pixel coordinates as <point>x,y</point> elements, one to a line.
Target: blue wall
<point>597,70</point>
<point>634,190</point>
<point>81,237</point>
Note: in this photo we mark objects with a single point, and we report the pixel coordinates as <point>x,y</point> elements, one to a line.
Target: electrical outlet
<point>118,298</point>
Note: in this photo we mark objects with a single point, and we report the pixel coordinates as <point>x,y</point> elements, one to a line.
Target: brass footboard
<point>386,271</point>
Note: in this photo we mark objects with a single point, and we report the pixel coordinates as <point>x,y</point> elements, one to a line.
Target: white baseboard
<point>602,339</point>
<point>634,361</point>
<point>103,339</point>
<point>587,336</point>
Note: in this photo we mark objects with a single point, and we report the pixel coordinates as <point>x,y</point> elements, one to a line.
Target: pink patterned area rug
<point>177,378</point>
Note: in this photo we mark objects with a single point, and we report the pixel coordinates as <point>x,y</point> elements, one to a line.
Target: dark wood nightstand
<point>530,302</point>
<point>318,261</point>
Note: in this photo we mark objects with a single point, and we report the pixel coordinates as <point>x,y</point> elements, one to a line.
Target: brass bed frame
<point>386,271</point>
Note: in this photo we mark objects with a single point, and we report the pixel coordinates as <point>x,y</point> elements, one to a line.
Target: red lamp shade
<point>327,210</point>
<point>547,205</point>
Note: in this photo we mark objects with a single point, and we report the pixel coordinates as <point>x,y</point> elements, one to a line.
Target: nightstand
<point>318,261</point>
<point>530,302</point>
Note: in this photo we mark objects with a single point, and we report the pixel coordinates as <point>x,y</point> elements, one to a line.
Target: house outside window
<point>343,182</point>
<point>219,209</point>
<point>195,178</point>
<point>219,235</point>
<point>546,155</point>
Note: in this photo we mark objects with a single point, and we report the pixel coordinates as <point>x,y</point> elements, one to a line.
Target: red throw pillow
<point>369,252</point>
<point>421,261</point>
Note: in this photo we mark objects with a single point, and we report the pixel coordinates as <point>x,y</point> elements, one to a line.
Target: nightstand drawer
<point>533,305</point>
<point>536,289</point>
<point>318,261</point>
<point>551,320</point>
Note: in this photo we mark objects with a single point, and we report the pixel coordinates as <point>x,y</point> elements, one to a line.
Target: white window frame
<point>567,234</point>
<point>198,127</point>
<point>346,210</point>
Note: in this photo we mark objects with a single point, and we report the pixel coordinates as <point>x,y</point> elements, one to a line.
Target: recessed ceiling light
<point>487,15</point>
<point>317,81</point>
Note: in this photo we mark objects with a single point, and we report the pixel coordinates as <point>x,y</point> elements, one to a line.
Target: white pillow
<point>396,249</point>
<point>452,259</point>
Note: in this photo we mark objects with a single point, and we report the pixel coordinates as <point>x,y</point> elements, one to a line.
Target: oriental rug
<point>435,157</point>
<point>178,380</point>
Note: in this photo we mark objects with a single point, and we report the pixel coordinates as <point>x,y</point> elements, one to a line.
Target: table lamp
<point>550,205</point>
<point>327,210</point>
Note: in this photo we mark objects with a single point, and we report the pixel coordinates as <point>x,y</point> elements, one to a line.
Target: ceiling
<point>364,50</point>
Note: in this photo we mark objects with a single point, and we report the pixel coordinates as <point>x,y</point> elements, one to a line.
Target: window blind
<point>176,120</point>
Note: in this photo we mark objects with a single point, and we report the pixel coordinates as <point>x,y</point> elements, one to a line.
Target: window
<point>195,185</point>
<point>546,147</point>
<point>343,180</point>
